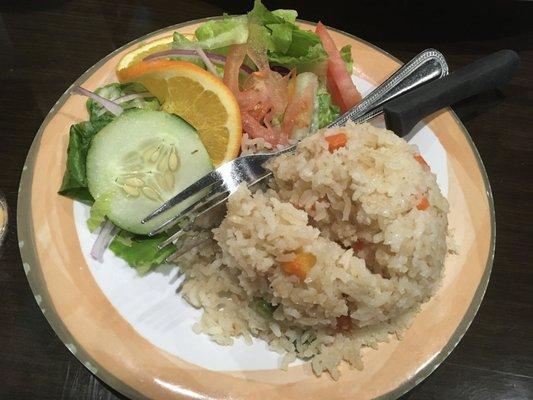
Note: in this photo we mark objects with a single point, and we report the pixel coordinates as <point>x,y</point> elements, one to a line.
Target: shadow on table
<point>116,394</point>
<point>477,105</point>
<point>23,6</point>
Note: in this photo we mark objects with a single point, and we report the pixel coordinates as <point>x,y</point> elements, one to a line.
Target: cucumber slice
<point>139,161</point>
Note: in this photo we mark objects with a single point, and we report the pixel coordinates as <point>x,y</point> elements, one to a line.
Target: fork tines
<point>201,184</point>
<point>218,194</point>
<point>210,191</point>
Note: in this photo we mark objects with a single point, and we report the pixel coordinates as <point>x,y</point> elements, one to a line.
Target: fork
<point>425,70</point>
<point>215,187</point>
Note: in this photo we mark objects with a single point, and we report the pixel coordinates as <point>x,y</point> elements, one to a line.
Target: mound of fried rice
<point>378,254</point>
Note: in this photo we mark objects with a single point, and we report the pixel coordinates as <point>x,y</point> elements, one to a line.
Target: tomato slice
<point>340,85</point>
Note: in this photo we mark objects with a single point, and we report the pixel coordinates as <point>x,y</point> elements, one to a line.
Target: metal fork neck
<point>427,66</point>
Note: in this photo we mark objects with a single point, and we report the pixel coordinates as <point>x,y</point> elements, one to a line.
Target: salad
<point>184,104</point>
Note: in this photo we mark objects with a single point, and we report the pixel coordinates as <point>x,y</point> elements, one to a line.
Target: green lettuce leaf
<point>346,55</point>
<point>287,15</point>
<point>141,252</point>
<point>263,16</point>
<point>124,238</point>
<point>280,37</point>
<point>287,44</point>
<point>276,31</point>
<point>223,32</point>
<point>303,41</point>
<point>313,60</point>
<point>180,41</point>
<point>327,112</point>
<point>74,183</point>
<point>98,212</point>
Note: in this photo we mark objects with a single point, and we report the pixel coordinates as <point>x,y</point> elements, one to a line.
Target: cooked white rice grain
<point>378,257</point>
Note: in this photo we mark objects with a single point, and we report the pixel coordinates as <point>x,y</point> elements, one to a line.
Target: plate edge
<point>26,236</point>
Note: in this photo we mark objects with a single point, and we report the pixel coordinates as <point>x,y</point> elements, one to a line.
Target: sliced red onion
<point>193,53</point>
<point>133,96</point>
<point>172,53</point>
<point>107,233</point>
<point>209,65</point>
<point>279,69</point>
<point>109,105</point>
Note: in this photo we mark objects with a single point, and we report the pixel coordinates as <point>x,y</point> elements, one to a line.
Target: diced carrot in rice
<point>423,204</point>
<point>300,264</point>
<point>421,160</point>
<point>336,141</point>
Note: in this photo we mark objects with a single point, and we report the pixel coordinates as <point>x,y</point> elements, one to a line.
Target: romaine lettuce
<point>280,38</point>
<point>346,55</point>
<point>287,44</point>
<point>180,41</point>
<point>327,112</point>
<point>98,212</point>
<point>74,183</point>
<point>141,252</point>
<point>222,32</point>
<point>312,61</point>
<point>287,15</point>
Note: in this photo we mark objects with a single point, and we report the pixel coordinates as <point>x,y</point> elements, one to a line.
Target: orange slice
<point>197,96</point>
<point>137,55</point>
<point>145,49</point>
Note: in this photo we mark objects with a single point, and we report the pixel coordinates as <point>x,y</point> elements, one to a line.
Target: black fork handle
<point>487,73</point>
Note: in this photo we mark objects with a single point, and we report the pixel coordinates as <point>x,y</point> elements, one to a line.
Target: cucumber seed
<point>151,193</point>
<point>132,191</point>
<point>173,160</point>
<point>136,182</point>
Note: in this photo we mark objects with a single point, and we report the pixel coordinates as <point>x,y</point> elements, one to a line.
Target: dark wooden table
<point>45,45</point>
